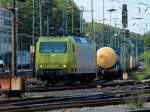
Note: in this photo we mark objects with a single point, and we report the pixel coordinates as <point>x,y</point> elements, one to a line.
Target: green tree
<point>146,54</point>
<point>25,18</point>
<point>5,3</point>
<point>58,15</point>
<point>146,37</point>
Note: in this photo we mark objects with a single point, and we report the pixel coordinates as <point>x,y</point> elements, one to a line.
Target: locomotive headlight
<point>64,66</point>
<point>41,66</point>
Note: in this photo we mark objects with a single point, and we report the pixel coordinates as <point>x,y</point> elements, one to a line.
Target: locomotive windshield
<point>53,47</point>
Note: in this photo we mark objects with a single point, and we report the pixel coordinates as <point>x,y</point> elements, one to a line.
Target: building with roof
<point>5,32</point>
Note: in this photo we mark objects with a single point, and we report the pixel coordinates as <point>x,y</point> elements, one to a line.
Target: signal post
<point>123,48</point>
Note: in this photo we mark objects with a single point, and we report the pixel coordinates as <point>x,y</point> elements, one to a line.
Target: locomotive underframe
<point>56,75</point>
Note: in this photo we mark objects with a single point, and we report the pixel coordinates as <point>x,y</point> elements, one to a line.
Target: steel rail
<point>66,102</point>
<point>86,86</point>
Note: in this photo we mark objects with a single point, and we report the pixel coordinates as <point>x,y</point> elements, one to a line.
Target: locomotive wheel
<point>84,79</point>
<point>91,77</point>
<point>50,80</point>
<point>71,78</point>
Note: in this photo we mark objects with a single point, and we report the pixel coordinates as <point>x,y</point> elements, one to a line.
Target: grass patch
<point>136,100</point>
<point>142,75</point>
<point>139,75</point>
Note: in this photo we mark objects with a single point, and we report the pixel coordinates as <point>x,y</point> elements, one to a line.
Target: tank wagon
<point>65,58</point>
<point>110,62</point>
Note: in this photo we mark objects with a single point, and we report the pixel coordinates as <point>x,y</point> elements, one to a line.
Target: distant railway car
<point>65,58</point>
<point>23,59</point>
<point>130,60</point>
<point>117,66</point>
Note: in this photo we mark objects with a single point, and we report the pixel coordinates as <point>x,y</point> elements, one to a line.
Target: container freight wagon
<point>24,59</point>
<point>65,58</point>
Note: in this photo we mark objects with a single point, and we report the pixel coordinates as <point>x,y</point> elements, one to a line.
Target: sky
<point>136,9</point>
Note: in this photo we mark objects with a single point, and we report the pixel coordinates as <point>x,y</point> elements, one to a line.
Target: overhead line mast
<point>42,11</point>
<point>14,39</point>
<point>93,31</point>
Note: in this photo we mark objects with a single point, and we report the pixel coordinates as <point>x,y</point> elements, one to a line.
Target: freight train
<point>75,59</point>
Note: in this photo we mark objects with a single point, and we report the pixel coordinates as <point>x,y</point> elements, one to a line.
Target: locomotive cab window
<point>53,47</point>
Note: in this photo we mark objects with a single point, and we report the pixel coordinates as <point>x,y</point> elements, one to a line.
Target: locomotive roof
<point>81,40</point>
<point>74,39</point>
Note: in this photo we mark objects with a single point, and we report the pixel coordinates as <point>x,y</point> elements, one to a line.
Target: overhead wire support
<point>92,11</point>
<point>36,27</point>
<point>124,25</point>
<point>103,22</point>
<point>81,20</point>
<point>14,40</point>
<point>47,18</point>
<point>37,19</point>
<point>72,16</point>
<point>64,19</point>
<point>110,37</point>
<point>40,12</point>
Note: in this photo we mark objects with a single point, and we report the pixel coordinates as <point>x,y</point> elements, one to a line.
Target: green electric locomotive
<point>65,58</point>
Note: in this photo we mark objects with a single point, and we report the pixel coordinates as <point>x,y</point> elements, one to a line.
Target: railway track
<point>59,88</point>
<point>113,96</point>
<point>25,73</point>
<point>51,103</point>
<point>97,84</point>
